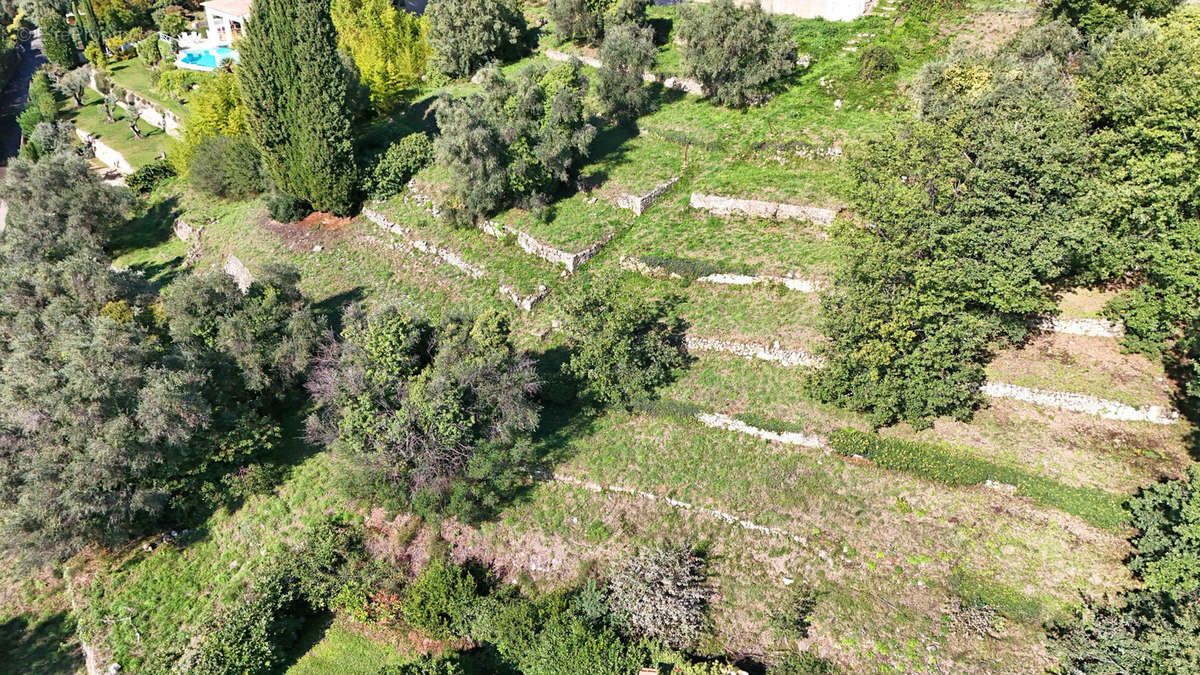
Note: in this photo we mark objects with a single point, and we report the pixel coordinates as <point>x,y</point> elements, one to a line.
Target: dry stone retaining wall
<point>783,357</point>
<point>1090,405</point>
<point>639,203</point>
<point>104,153</point>
<point>725,206</point>
<point>680,83</point>
<point>719,421</point>
<point>801,284</point>
<point>1087,327</point>
<point>525,302</point>
<point>241,275</point>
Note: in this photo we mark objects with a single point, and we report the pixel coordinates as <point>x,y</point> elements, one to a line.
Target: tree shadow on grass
<point>148,230</point>
<point>45,646</point>
<point>331,308</point>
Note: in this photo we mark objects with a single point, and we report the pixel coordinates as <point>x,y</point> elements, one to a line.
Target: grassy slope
<point>892,552</point>
<point>117,135</point>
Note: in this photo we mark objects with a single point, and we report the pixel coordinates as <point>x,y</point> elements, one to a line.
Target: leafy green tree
<point>623,346</point>
<point>519,140</point>
<point>74,83</point>
<point>436,419</point>
<point>1140,102</point>
<point>627,53</point>
<point>586,20</point>
<point>297,96</point>
<point>388,45</point>
<point>736,54</point>
<point>57,42</point>
<point>1155,629</point>
<point>217,110</point>
<point>466,34</point>
<point>974,220</point>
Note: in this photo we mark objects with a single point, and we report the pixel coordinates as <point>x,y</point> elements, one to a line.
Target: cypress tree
<point>297,96</point>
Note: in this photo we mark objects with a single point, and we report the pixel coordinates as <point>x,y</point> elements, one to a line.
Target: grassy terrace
<point>132,75</point>
<point>117,135</point>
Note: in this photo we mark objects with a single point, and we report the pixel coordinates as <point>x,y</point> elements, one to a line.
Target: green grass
<point>346,652</point>
<point>117,135</point>
<point>940,464</point>
<point>132,74</point>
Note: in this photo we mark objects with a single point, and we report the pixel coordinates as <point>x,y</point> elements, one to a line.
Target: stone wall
<point>719,421</point>
<point>801,284</point>
<point>1087,327</point>
<point>1089,405</point>
<point>241,275</point>
<point>452,258</point>
<point>682,84</point>
<point>639,203</point>
<point>183,230</point>
<point>784,357</point>
<point>833,10</point>
<point>104,153</point>
<point>725,206</point>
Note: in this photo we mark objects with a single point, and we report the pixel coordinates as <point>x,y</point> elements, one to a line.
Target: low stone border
<point>712,513</point>
<point>241,275</point>
<point>639,203</point>
<point>725,206</point>
<point>680,83</point>
<point>185,231</point>
<point>801,284</point>
<point>105,154</point>
<point>719,421</point>
<point>784,357</point>
<point>525,302</point>
<point>1086,327</point>
<point>1080,403</point>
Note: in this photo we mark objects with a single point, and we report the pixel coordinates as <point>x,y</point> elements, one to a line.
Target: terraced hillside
<point>1018,509</point>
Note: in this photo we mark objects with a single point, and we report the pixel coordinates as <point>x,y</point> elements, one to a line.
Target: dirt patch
<point>317,229</point>
<point>987,31</point>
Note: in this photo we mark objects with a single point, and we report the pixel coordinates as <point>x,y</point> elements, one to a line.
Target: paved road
<point>12,101</point>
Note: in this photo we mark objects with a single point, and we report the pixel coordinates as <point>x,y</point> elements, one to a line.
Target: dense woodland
<point>133,404</point>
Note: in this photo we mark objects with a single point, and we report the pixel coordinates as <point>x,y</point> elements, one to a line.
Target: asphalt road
<point>12,102</point>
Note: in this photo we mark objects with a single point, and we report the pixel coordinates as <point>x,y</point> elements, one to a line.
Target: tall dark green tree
<point>297,96</point>
<point>56,39</point>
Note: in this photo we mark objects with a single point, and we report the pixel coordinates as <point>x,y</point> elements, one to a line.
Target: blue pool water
<point>207,59</point>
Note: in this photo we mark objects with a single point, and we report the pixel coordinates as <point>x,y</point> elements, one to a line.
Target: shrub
<point>465,34</point>
<point>428,665</point>
<point>736,54</point>
<point>287,209</point>
<point>439,601</point>
<point>876,61</point>
<point>229,168</point>
<point>587,20</point>
<point>662,594</point>
<point>623,346</point>
<point>627,53</point>
<point>791,619</point>
<point>254,635</point>
<point>57,42</point>
<point>96,56</point>
<point>147,50</point>
<point>399,163</point>
<point>150,176</point>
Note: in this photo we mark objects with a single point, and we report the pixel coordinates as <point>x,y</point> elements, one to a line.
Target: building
<point>226,19</point>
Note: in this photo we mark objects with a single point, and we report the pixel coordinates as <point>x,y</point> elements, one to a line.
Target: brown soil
<point>317,229</point>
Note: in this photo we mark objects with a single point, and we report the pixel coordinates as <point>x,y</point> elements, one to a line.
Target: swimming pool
<point>205,59</point>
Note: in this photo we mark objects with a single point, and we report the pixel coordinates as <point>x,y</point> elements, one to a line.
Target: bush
<point>876,61</point>
<point>229,168</point>
<point>791,619</point>
<point>736,54</point>
<point>803,663</point>
<point>150,176</point>
<point>57,42</point>
<point>627,53</point>
<point>426,666</point>
<point>662,594</point>
<point>287,209</point>
<point>147,50</point>
<point>253,636</point>
<point>439,601</point>
<point>466,34</point>
<point>398,164</point>
<point>623,346</point>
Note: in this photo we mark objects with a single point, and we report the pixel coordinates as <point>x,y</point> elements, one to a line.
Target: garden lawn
<point>117,135</point>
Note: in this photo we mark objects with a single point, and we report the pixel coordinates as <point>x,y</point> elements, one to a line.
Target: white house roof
<point>229,7</point>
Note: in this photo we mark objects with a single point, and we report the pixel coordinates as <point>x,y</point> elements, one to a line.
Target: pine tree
<point>297,96</point>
